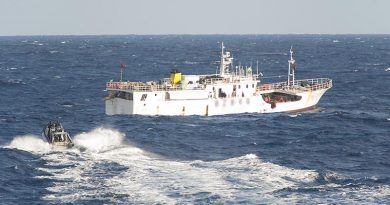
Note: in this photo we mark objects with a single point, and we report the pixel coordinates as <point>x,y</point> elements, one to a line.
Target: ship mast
<point>291,69</point>
<point>222,65</point>
<point>122,66</point>
<point>226,61</point>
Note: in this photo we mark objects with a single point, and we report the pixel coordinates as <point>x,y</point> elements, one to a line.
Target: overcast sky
<point>91,17</point>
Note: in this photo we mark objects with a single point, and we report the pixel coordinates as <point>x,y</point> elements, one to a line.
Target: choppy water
<point>338,153</point>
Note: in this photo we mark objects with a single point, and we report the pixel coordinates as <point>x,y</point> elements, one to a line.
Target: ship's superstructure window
<point>124,95</point>
<point>144,96</point>
<point>129,96</point>
<point>221,94</point>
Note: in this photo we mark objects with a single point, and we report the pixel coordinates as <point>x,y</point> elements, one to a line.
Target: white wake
<point>104,166</point>
<point>29,143</point>
<point>99,139</point>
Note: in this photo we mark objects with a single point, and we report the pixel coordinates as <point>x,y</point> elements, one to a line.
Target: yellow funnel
<point>175,77</point>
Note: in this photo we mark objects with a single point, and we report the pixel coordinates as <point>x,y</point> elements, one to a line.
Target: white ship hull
<point>209,107</point>
<point>217,94</point>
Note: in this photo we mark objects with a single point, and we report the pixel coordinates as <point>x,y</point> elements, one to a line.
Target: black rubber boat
<point>55,134</point>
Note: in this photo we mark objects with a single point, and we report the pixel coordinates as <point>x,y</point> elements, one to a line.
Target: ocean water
<point>338,153</point>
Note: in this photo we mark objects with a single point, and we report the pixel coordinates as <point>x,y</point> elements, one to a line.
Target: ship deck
<point>298,86</point>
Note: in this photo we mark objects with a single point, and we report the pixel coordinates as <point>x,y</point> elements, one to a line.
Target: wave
<point>263,173</point>
<point>103,166</point>
<point>125,173</point>
<point>29,143</point>
<point>12,82</point>
<point>294,115</point>
<point>352,189</point>
<point>190,62</point>
<point>135,176</point>
<point>99,139</point>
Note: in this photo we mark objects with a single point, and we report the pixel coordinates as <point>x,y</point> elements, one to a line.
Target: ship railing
<point>299,85</point>
<point>139,86</point>
<point>234,79</point>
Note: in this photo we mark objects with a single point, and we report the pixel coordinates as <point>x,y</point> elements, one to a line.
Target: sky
<point>106,17</point>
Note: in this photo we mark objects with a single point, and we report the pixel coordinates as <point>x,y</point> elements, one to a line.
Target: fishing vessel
<point>231,90</point>
<point>55,134</point>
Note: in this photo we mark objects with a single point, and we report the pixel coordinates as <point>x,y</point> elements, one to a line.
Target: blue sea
<point>338,153</point>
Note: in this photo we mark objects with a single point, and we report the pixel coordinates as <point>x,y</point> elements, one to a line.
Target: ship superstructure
<point>232,90</point>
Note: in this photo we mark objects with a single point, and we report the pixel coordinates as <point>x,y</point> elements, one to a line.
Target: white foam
<point>251,156</point>
<point>85,177</point>
<point>151,178</point>
<point>148,179</point>
<point>99,139</point>
<point>30,143</point>
<point>387,69</point>
<point>190,62</point>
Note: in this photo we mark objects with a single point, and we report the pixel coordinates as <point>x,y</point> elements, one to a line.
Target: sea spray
<point>99,139</point>
<point>30,143</point>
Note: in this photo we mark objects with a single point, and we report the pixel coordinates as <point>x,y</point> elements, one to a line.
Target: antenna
<point>239,68</point>
<point>122,66</point>
<point>222,66</point>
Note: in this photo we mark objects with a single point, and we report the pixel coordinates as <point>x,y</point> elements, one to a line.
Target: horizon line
<point>189,34</point>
